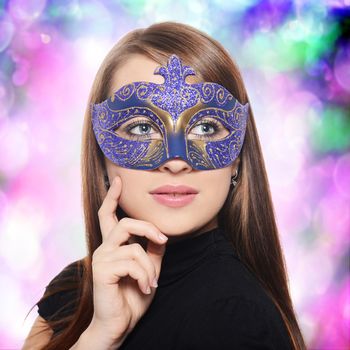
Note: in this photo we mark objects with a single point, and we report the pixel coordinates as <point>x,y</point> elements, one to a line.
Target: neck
<point>195,232</point>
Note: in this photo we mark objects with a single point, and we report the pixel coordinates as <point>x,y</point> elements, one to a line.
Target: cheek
<point>132,197</point>
<point>217,192</point>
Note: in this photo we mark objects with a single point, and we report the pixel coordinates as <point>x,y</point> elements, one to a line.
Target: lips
<point>174,200</point>
<point>174,196</point>
<point>174,190</point>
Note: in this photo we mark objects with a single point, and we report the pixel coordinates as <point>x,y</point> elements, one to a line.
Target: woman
<point>168,107</point>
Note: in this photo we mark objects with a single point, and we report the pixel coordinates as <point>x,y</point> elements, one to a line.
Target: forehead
<point>140,68</point>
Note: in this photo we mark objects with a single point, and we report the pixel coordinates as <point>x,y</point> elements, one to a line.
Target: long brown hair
<point>247,214</point>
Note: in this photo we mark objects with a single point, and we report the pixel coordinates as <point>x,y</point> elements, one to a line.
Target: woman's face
<point>135,199</point>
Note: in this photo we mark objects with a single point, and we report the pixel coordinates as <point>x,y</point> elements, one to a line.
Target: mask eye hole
<point>208,128</point>
<point>139,128</point>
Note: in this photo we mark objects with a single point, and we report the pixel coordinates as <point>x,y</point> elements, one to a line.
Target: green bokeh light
<point>294,45</point>
<point>331,132</point>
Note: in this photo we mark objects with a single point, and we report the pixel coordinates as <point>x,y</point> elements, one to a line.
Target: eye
<point>140,127</point>
<point>208,129</point>
<point>139,130</point>
<point>205,127</point>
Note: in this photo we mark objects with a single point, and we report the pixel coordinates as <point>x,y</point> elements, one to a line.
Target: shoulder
<point>228,275</point>
<point>237,309</point>
<point>61,293</point>
<point>70,272</point>
<point>237,322</point>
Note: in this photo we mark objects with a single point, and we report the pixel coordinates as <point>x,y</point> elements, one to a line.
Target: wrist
<point>93,338</point>
<point>111,340</point>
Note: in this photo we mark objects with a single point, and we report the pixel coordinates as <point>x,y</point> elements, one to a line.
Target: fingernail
<point>115,180</point>
<point>148,290</point>
<point>154,283</point>
<point>163,237</point>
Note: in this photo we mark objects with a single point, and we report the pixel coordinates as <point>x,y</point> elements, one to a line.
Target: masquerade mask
<point>144,124</point>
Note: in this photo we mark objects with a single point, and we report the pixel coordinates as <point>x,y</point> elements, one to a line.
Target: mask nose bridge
<point>176,145</point>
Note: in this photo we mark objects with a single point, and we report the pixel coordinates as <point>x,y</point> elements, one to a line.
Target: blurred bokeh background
<point>295,60</point>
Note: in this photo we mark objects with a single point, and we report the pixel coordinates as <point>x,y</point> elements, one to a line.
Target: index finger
<point>107,212</point>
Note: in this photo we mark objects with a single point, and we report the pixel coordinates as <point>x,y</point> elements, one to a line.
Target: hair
<point>247,214</point>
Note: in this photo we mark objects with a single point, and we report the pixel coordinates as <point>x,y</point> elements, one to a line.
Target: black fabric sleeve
<point>236,323</point>
<point>60,303</point>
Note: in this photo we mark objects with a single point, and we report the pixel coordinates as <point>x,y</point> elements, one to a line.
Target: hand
<point>122,272</point>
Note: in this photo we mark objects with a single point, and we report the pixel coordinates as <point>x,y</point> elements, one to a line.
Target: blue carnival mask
<point>174,114</point>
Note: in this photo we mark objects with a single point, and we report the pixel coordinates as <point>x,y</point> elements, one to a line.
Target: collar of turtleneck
<point>182,256</point>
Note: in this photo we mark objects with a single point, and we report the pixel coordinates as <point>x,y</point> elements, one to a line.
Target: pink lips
<point>174,196</point>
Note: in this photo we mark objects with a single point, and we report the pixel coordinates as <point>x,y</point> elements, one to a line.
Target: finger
<point>135,252</point>
<point>156,253</point>
<point>107,273</point>
<point>107,212</point>
<point>127,227</point>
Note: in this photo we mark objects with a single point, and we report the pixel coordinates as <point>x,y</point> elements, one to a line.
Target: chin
<point>171,224</point>
<point>175,227</point>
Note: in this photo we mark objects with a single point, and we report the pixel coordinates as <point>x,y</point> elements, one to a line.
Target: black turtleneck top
<point>206,299</point>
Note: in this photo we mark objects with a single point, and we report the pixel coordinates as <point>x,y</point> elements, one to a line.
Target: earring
<point>233,178</point>
<point>106,181</point>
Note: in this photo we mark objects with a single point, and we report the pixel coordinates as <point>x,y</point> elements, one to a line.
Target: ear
<point>235,166</point>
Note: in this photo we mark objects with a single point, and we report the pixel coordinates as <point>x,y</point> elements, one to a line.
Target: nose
<point>175,165</point>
